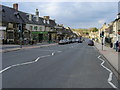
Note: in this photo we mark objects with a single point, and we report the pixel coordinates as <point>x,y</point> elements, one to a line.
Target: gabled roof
<point>10,15</point>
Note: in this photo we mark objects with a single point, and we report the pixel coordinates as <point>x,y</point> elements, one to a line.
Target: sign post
<point>20,31</point>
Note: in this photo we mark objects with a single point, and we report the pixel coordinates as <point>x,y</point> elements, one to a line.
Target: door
<point>40,37</point>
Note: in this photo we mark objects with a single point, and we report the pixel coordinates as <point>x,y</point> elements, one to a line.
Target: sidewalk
<point>110,54</point>
<point>9,48</point>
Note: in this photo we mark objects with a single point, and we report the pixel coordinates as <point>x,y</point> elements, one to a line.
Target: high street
<point>74,65</point>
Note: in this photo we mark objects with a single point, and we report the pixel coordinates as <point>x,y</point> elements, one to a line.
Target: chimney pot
<point>15,6</point>
<point>47,17</point>
<point>37,12</point>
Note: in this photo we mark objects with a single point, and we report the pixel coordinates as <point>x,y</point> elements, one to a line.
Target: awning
<point>37,32</point>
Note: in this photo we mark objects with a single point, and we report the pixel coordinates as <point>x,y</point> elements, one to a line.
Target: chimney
<point>15,6</point>
<point>37,15</point>
<point>118,16</point>
<point>30,17</point>
<point>47,17</point>
<point>37,12</point>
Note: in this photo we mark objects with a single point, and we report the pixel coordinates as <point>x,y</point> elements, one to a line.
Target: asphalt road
<point>61,66</point>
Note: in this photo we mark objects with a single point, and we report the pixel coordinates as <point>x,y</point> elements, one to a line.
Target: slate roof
<point>10,15</point>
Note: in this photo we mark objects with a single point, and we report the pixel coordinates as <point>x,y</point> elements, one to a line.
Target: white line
<point>74,46</point>
<point>36,60</point>
<point>5,69</point>
<point>111,73</point>
<point>52,50</point>
<point>9,67</point>
<point>53,53</point>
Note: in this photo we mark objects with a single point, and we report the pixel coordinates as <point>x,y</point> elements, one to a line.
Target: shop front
<point>52,36</point>
<point>39,36</point>
<point>2,34</point>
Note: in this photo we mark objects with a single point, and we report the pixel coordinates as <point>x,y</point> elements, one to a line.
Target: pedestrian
<point>117,44</point>
<point>111,45</point>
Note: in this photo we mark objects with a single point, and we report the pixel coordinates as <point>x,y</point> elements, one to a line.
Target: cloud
<point>75,14</point>
<point>101,21</point>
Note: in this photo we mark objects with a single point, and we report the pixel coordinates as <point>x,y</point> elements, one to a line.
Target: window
<point>44,21</point>
<point>31,27</point>
<point>48,22</point>
<point>10,25</point>
<point>35,27</point>
<point>40,28</point>
<point>10,35</point>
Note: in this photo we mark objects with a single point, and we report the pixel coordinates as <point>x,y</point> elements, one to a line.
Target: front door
<point>40,37</point>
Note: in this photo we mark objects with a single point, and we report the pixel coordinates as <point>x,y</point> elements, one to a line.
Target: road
<point>61,66</point>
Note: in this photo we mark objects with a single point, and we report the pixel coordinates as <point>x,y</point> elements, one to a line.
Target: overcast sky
<point>73,14</point>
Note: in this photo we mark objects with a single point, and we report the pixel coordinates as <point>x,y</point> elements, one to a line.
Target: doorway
<point>40,36</point>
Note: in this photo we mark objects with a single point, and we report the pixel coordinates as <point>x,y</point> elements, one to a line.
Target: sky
<point>73,14</point>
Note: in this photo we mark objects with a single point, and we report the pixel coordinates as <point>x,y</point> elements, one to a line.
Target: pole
<point>102,43</point>
<point>20,35</point>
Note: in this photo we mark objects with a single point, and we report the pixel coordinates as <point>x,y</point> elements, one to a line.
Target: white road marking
<point>30,62</point>
<point>52,50</point>
<point>53,53</point>
<point>111,73</point>
<point>74,46</point>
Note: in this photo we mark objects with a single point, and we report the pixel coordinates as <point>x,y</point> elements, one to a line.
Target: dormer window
<point>48,22</point>
<point>44,21</point>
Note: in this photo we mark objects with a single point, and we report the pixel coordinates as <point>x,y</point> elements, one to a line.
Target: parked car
<point>77,40</point>
<point>90,43</point>
<point>68,41</point>
<point>61,42</point>
<point>73,40</point>
<point>80,41</point>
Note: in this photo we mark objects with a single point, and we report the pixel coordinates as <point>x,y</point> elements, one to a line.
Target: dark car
<point>80,41</point>
<point>90,43</point>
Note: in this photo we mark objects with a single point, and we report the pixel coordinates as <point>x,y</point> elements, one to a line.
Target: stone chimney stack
<point>15,6</point>
<point>30,17</point>
<point>118,16</point>
<point>37,12</point>
<point>37,15</point>
<point>46,17</point>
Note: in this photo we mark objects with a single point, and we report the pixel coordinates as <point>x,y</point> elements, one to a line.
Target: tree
<point>94,29</point>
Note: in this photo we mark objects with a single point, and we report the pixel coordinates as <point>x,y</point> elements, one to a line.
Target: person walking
<point>111,45</point>
<point>117,44</point>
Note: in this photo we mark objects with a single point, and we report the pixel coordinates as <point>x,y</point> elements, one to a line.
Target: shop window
<point>10,35</point>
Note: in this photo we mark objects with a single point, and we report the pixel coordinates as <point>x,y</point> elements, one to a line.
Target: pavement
<point>111,55</point>
<point>74,65</point>
<point>9,48</point>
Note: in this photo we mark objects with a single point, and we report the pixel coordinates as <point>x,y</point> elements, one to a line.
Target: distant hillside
<point>84,32</point>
